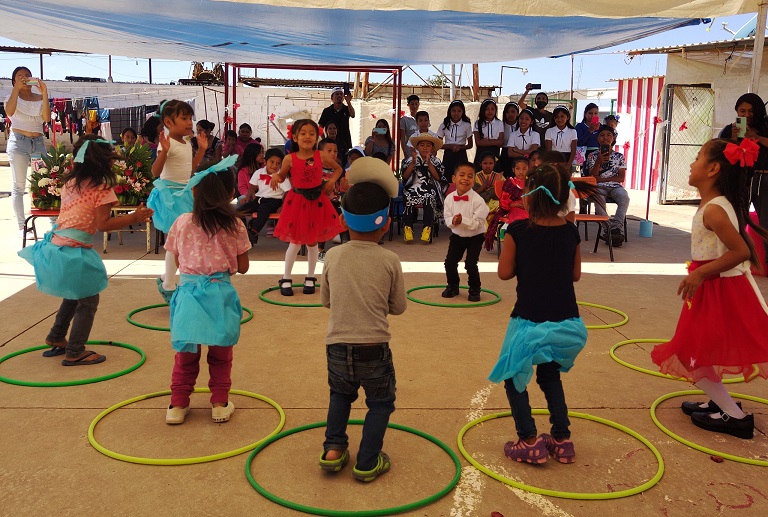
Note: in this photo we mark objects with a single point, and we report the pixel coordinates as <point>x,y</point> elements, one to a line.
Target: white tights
<point>719,395</point>
<point>290,258</point>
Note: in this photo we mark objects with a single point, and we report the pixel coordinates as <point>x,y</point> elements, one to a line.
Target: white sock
<point>169,277</point>
<point>720,396</point>
<point>312,253</point>
<point>290,258</point>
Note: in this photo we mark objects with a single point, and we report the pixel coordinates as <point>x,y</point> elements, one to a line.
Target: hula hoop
<point>556,493</point>
<point>78,382</point>
<point>179,461</point>
<point>168,329</point>
<point>610,309</point>
<point>707,450</point>
<point>497,298</point>
<point>612,353</point>
<point>348,513</point>
<point>286,304</point>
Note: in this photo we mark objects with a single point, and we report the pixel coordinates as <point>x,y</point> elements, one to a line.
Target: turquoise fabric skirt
<point>65,271</point>
<point>168,206</point>
<point>527,343</point>
<point>205,310</point>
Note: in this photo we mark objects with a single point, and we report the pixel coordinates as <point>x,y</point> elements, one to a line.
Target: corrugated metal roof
<point>741,43</point>
<point>34,50</point>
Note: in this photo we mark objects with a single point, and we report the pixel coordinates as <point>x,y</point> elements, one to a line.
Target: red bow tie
<point>461,198</point>
<point>265,177</point>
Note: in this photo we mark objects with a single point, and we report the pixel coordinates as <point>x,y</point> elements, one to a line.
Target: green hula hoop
<point>611,309</point>
<point>555,493</point>
<point>739,459</point>
<point>286,304</point>
<point>180,461</point>
<point>168,329</point>
<point>78,382</point>
<point>497,298</point>
<point>350,513</point>
<point>612,353</point>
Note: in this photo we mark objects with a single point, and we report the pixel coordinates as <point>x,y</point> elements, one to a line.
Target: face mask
<point>541,104</point>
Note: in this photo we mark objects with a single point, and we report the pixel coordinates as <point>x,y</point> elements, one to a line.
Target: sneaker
<point>724,423</point>
<point>426,233</point>
<point>407,233</point>
<point>334,465</point>
<point>176,415</point>
<point>562,451</point>
<point>617,240</point>
<point>222,414</point>
<point>535,454</point>
<point>382,466</point>
<point>690,408</point>
<point>321,256</point>
<point>450,292</point>
<point>253,236</point>
<point>474,296</point>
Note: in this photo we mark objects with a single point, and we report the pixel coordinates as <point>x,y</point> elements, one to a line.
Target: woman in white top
<point>562,137</point>
<point>524,139</point>
<point>489,132</point>
<point>456,132</point>
<point>27,111</point>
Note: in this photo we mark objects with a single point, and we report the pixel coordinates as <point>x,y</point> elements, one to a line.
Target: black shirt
<point>341,119</point>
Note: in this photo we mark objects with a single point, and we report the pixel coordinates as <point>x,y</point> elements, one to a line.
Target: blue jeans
<point>349,367</point>
<point>21,149</point>
<point>621,198</point>
<point>548,379</point>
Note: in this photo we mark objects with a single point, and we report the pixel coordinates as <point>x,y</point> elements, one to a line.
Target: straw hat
<point>426,137</point>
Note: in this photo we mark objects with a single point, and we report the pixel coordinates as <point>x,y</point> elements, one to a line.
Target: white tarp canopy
<point>348,32</point>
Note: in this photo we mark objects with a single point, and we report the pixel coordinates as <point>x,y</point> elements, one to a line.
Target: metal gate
<point>688,112</point>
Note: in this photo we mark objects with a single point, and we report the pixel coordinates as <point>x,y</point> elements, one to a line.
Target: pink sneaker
<point>563,451</point>
<point>535,454</point>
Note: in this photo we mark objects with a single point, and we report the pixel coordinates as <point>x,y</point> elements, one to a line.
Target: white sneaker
<point>321,256</point>
<point>222,414</point>
<point>176,415</point>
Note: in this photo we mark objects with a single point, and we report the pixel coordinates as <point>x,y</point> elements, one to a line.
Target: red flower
<point>54,175</point>
<point>118,189</point>
<point>128,172</point>
<point>138,164</point>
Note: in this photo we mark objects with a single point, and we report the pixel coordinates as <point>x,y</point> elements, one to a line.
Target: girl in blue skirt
<point>66,265</point>
<point>209,245</point>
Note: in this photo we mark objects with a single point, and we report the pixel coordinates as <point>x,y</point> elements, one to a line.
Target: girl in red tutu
<point>307,216</point>
<point>722,325</point>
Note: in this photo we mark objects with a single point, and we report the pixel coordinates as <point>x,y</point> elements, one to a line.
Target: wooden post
<point>364,87</point>
<point>475,82</point>
<point>356,94</point>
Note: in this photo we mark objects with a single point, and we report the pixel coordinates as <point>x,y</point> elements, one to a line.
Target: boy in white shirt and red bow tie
<point>465,212</point>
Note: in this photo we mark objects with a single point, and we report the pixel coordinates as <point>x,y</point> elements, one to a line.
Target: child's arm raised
<point>279,177</point>
<point>106,223</point>
<point>202,146</point>
<point>506,268</point>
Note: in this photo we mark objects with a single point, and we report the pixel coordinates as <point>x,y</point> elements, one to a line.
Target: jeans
<point>457,245</point>
<point>621,198</point>
<point>548,379</point>
<point>80,313</point>
<point>21,149</point>
<point>349,367</point>
<point>186,367</point>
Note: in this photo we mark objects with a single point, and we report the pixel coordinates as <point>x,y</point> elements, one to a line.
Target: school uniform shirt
<point>457,133</point>
<point>508,130</point>
<point>524,141</point>
<point>561,138</point>
<point>473,212</point>
<point>261,179</point>
<point>178,163</point>
<point>491,130</point>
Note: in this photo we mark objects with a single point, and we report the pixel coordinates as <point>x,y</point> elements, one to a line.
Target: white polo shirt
<point>524,141</point>
<point>561,138</point>
<point>457,133</point>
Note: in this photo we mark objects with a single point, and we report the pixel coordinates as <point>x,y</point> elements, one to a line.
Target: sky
<point>590,70</point>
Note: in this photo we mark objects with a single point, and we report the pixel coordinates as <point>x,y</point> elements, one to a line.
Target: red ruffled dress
<point>722,330</point>
<point>307,216</point>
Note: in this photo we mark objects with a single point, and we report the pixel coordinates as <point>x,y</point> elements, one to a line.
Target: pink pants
<point>187,366</point>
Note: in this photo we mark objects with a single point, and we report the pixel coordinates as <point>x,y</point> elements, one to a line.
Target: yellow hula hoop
<point>610,309</point>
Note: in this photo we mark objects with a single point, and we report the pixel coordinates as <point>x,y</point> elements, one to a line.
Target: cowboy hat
<point>426,137</point>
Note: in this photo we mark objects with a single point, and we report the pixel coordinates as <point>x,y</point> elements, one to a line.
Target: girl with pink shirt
<point>66,265</point>
<point>209,245</point>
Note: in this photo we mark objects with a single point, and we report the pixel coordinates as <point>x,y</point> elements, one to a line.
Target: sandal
<point>382,467</point>
<point>57,348</point>
<point>309,289</point>
<point>83,359</point>
<point>286,286</point>
<point>535,454</point>
<point>334,465</point>
<point>167,295</point>
<point>562,451</point>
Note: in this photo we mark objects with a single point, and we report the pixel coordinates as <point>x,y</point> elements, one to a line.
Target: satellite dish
<point>748,30</point>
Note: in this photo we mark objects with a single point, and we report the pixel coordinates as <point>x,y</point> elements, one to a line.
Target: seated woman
<point>609,169</point>
<point>380,141</point>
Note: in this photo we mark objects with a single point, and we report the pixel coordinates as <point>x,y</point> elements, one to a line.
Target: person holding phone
<point>28,111</point>
<point>609,168</point>
<point>542,119</point>
<point>586,131</point>
<point>750,109</point>
<point>340,113</point>
<point>380,141</point>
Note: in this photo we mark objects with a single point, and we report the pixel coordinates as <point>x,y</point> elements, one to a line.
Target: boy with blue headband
<point>362,283</point>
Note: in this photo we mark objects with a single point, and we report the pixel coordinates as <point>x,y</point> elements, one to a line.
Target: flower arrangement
<point>134,174</point>
<point>45,181</point>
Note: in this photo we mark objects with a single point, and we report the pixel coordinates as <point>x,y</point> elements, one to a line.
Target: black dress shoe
<point>285,287</point>
<point>309,289</point>
<point>726,424</point>
<point>474,296</point>
<point>690,408</point>
<point>450,292</point>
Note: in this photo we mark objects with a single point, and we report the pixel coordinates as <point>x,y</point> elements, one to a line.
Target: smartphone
<point>535,86</point>
<point>346,89</point>
<point>31,83</point>
<point>595,120</point>
<point>740,127</point>
<point>605,149</point>
<point>380,130</point>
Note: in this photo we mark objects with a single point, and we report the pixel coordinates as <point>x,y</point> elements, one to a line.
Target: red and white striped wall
<point>638,104</point>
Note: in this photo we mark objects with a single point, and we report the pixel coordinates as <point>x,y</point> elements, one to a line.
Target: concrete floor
<point>442,358</point>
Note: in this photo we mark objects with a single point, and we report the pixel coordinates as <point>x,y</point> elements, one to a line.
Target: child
<point>129,137</point>
<point>66,265</point>
<point>230,139</point>
<point>308,216</point>
<point>465,213</point>
<point>261,198</point>
<point>721,329</point>
<point>568,211</point>
<point>489,131</point>
<point>524,139</point>
<point>422,121</point>
<point>544,330</point>
<point>456,132</point>
<point>329,148</point>
<point>249,162</point>
<point>362,283</point>
<point>421,174</point>
<point>485,183</point>
<point>511,202</point>
<point>562,137</point>
<point>509,118</point>
<point>210,244</point>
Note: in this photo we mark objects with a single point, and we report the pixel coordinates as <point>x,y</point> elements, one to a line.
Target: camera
<point>346,88</point>
<point>605,149</point>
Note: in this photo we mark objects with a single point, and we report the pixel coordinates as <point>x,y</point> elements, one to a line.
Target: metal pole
<point>757,53</point>
<point>234,95</point>
<point>572,80</point>
<point>150,71</point>
<point>41,67</point>
<point>453,82</point>
<point>226,96</point>
<point>109,78</point>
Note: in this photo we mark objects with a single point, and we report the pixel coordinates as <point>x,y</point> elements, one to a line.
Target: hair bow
<point>81,152</point>
<point>223,165</point>
<point>745,153</point>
